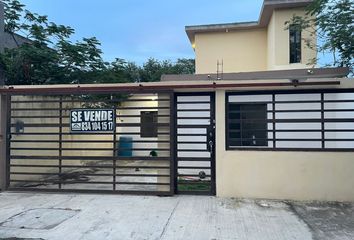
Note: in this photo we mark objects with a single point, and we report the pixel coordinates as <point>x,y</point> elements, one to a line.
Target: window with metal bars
<point>295,43</point>
<point>247,124</point>
<point>290,120</point>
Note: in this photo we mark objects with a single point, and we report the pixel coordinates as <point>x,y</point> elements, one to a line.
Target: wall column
<point>219,138</point>
<point>3,140</point>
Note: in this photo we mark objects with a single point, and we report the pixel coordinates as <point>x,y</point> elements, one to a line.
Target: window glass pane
<point>295,43</point>
<point>247,124</point>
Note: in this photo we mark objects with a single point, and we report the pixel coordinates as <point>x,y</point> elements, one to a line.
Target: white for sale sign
<point>92,120</point>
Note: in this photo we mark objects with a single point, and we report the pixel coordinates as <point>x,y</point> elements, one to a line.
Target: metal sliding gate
<point>195,143</point>
<point>136,156</point>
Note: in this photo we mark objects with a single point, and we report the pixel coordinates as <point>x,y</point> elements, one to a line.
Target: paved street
<point>85,216</point>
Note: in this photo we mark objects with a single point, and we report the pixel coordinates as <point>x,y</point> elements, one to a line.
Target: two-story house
<point>263,45</point>
<point>257,120</point>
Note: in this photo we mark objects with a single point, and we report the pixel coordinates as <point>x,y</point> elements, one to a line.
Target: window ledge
<point>290,149</point>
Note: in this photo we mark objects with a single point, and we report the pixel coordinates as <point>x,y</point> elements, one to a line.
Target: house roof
<point>325,77</point>
<point>263,20</point>
<point>159,87</point>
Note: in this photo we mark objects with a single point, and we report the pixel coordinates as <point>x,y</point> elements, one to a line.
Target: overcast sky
<point>138,29</point>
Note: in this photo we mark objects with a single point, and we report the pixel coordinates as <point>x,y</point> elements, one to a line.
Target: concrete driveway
<point>84,216</point>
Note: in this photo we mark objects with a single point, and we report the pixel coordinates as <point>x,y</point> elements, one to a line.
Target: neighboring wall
<point>294,175</point>
<point>8,40</point>
<point>2,40</point>
<point>240,51</point>
<point>1,26</point>
<point>13,40</point>
<point>2,108</point>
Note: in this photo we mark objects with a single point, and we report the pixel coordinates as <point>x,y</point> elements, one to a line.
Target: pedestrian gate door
<point>195,143</point>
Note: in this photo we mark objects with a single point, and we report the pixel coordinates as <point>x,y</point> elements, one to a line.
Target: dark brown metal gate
<point>195,143</point>
<point>44,155</point>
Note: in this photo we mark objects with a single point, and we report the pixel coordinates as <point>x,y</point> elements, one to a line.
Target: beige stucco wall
<point>240,51</point>
<point>271,43</point>
<point>280,174</point>
<point>257,49</point>
<point>278,42</point>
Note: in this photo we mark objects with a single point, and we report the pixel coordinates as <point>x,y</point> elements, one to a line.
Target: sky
<point>136,30</point>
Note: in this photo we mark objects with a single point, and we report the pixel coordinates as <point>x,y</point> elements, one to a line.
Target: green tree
<point>153,69</point>
<point>184,66</point>
<point>48,56</point>
<point>332,22</point>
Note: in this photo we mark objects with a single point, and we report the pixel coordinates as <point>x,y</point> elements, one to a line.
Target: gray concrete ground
<point>84,216</point>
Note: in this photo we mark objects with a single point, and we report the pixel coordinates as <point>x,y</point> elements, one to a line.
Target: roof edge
<point>264,75</point>
<point>149,88</point>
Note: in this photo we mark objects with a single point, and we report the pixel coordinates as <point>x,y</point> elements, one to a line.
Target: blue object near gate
<point>125,147</point>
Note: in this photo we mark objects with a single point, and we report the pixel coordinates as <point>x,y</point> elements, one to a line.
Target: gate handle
<point>211,146</point>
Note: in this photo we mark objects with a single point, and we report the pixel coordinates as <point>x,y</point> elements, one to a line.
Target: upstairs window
<point>295,43</point>
<point>148,121</point>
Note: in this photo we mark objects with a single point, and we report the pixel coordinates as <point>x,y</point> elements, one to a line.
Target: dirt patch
<point>327,221</point>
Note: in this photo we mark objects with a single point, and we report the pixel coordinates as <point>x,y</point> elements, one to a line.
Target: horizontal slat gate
<point>45,155</point>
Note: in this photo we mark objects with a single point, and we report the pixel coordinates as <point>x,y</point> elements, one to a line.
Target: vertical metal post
<point>213,154</point>
<point>173,158</point>
<point>322,122</point>
<point>8,140</point>
<point>273,121</point>
<point>3,141</point>
<point>114,147</point>
<point>60,137</point>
